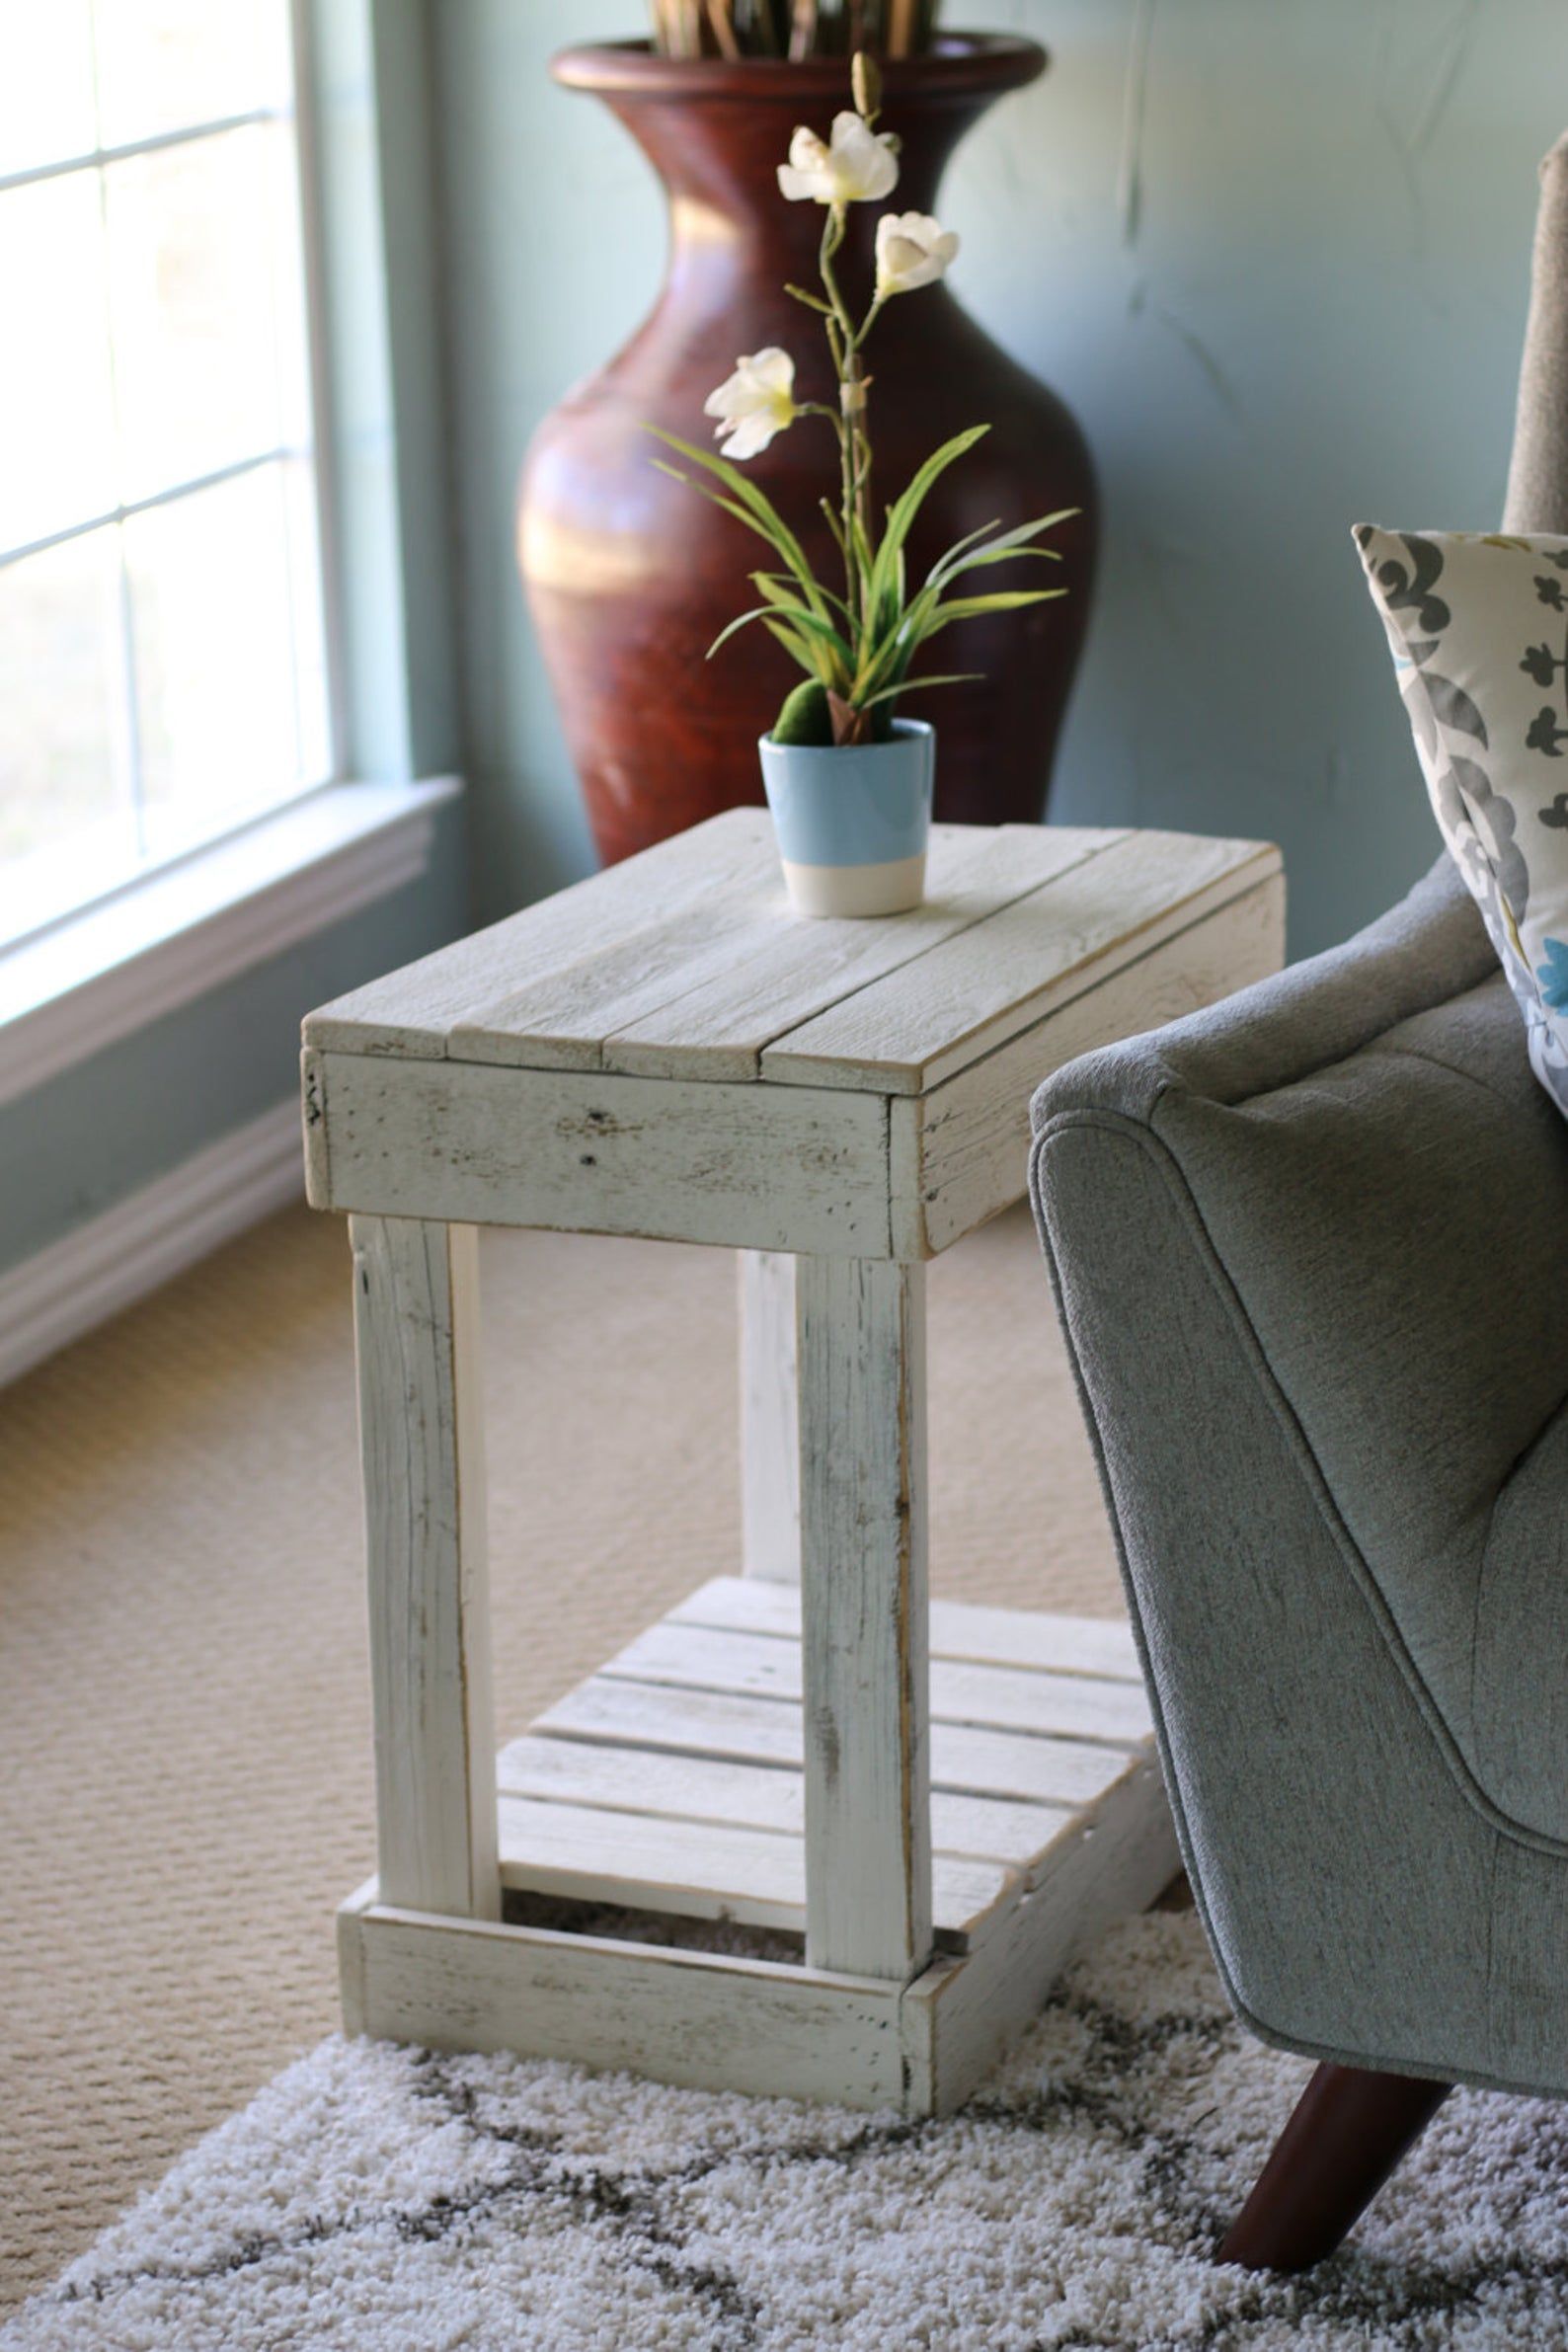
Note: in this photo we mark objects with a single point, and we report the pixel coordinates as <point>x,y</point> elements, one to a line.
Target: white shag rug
<point>387,2200</point>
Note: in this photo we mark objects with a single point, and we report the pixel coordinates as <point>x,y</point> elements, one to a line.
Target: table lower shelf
<point>670,1780</point>
<point>654,1819</point>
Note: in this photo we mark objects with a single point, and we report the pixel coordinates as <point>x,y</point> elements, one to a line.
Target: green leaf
<point>863,555</point>
<point>963,554</point>
<point>968,608</point>
<point>824,651</point>
<point>717,498</point>
<point>767,516</point>
<point>777,590</point>
<point>887,659</point>
<point>1002,555</point>
<point>758,612</point>
<point>952,677</point>
<point>799,648</point>
<point>968,540</point>
<point>905,509</point>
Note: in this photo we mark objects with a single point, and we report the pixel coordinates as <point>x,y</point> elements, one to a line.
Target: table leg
<point>771,1440</point>
<point>421,1435</point>
<point>865,1615</point>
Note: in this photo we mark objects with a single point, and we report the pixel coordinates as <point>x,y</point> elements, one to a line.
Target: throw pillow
<point>1478,624</point>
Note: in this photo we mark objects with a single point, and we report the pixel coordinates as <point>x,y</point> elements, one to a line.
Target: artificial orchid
<point>754,403</point>
<point>913,250</point>
<point>855,165</point>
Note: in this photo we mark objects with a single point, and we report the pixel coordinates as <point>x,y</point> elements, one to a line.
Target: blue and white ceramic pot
<point>853,822</point>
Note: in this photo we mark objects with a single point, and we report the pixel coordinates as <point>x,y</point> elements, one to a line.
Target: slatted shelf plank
<point>1070,1706</point>
<point>971,993</point>
<point>961,1629</point>
<point>750,1796</point>
<point>1016,1765</point>
<point>702,1870</point>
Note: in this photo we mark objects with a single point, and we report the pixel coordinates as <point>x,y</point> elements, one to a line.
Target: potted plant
<point>629,578</point>
<point>849,781</point>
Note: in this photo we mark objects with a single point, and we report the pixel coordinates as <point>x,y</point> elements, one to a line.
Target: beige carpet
<point>182,1714</point>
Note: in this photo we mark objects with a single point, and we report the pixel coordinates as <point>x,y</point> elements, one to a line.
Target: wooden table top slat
<point>972,992</point>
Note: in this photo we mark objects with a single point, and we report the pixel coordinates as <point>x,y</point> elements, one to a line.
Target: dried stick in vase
<point>900,28</point>
<point>803,32</point>
<point>722,20</point>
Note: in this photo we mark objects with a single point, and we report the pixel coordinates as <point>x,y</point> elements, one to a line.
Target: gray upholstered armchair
<point>1310,1250</point>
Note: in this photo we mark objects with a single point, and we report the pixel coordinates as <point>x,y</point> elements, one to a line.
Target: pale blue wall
<point>1314,318</point>
<point>72,1147</point>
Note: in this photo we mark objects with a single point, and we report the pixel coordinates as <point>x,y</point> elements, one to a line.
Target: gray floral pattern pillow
<point>1478,624</point>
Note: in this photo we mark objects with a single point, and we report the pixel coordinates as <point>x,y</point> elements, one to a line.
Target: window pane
<point>164,63</point>
<point>217,700</point>
<point>46,86</point>
<point>64,798</point>
<point>203,272</point>
<point>56,421</point>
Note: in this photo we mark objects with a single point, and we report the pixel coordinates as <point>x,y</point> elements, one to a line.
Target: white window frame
<point>167,935</point>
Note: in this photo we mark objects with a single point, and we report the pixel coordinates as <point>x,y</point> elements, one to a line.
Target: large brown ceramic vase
<point>631,576</point>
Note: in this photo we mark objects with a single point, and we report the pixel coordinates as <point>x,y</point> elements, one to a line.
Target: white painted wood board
<point>705,1869</point>
<point>970,1629</point>
<point>695,2018</point>
<point>862,1654</point>
<point>959,2016</point>
<point>1016,1765</point>
<point>770,1428</point>
<point>761,1167</point>
<point>409,1013</point>
<point>960,1154</point>
<point>969,994</point>
<point>1052,1706</point>
<point>703,1788</point>
<point>421,1428</point>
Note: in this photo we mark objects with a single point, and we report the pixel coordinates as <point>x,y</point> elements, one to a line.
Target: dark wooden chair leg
<point>1349,2131</point>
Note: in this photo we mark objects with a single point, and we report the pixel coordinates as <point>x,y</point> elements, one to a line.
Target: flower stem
<point>841,332</point>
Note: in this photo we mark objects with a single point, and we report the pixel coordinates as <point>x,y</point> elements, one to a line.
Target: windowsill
<point>100,975</point>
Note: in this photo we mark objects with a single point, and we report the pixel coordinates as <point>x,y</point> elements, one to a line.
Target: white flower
<point>911,250</point>
<point>754,403</point>
<point>858,166</point>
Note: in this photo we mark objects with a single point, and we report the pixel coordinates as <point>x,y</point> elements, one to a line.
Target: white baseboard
<point>114,1259</point>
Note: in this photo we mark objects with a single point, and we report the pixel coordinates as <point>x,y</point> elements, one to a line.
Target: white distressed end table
<point>936,1804</point>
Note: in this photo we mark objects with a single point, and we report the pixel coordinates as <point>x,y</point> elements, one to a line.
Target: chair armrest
<point>1431,947</point>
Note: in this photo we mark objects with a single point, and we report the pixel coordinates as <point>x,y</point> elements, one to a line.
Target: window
<point>162,674</point>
